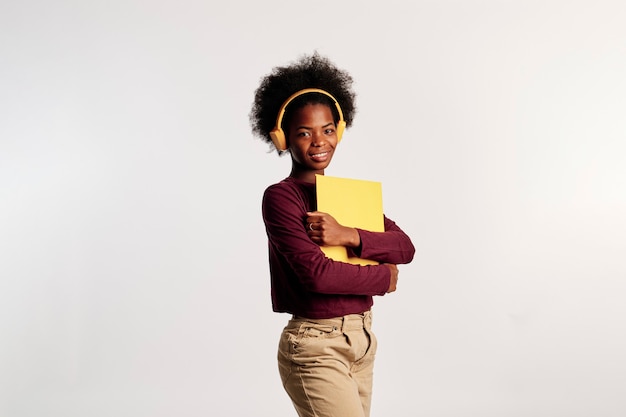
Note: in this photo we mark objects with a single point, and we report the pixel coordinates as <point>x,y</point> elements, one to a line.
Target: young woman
<point>326,351</point>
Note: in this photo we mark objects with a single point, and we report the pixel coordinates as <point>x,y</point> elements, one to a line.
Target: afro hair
<point>310,71</point>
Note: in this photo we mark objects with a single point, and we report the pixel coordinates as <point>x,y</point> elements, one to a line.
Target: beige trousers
<point>326,365</point>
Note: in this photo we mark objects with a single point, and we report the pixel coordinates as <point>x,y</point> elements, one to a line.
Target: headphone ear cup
<point>341,126</point>
<point>278,138</point>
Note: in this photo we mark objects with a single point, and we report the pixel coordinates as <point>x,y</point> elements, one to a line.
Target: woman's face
<point>312,139</point>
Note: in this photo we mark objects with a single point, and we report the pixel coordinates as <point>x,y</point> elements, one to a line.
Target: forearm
<point>294,255</point>
<point>319,274</point>
<point>391,246</point>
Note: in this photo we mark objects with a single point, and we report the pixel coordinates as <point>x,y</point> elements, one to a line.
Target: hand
<point>393,281</point>
<point>324,230</point>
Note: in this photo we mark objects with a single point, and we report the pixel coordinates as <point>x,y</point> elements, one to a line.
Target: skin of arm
<point>392,246</point>
<point>323,229</point>
<point>285,218</point>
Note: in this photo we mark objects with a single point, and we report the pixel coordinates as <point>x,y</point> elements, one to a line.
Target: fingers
<point>314,222</point>
<point>320,220</point>
<point>315,217</point>
<point>323,229</point>
<point>319,216</point>
<point>313,230</point>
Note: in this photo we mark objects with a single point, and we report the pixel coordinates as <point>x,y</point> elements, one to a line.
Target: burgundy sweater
<point>304,281</point>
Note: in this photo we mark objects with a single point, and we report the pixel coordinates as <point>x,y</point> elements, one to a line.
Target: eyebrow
<point>309,128</point>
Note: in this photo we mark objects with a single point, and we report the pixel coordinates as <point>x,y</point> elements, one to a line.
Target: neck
<point>306,176</point>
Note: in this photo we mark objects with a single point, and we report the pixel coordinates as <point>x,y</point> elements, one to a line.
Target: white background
<point>133,258</point>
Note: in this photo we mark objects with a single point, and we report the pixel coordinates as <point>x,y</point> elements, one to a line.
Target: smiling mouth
<point>320,156</point>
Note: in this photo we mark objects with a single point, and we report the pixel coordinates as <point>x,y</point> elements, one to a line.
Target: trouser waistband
<point>344,323</point>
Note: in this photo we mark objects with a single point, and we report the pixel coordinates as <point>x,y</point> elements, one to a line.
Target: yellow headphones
<point>277,134</point>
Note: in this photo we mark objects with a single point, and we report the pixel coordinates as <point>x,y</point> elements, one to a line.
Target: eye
<point>329,131</point>
<point>302,134</point>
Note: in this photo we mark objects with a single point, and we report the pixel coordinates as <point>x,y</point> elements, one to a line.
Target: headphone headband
<point>277,134</point>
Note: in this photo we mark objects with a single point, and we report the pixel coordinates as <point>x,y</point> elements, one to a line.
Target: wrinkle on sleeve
<point>284,215</point>
<point>391,246</point>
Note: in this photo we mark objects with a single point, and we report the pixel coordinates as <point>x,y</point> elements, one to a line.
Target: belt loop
<point>367,320</point>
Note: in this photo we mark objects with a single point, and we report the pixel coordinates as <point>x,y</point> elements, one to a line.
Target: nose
<point>318,139</point>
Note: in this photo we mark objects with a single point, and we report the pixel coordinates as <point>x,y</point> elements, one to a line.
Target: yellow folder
<point>353,203</point>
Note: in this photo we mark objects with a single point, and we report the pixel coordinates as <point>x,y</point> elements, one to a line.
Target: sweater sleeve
<point>284,215</point>
<point>391,246</point>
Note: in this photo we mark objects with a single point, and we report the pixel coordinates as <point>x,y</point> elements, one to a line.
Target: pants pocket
<point>373,345</point>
